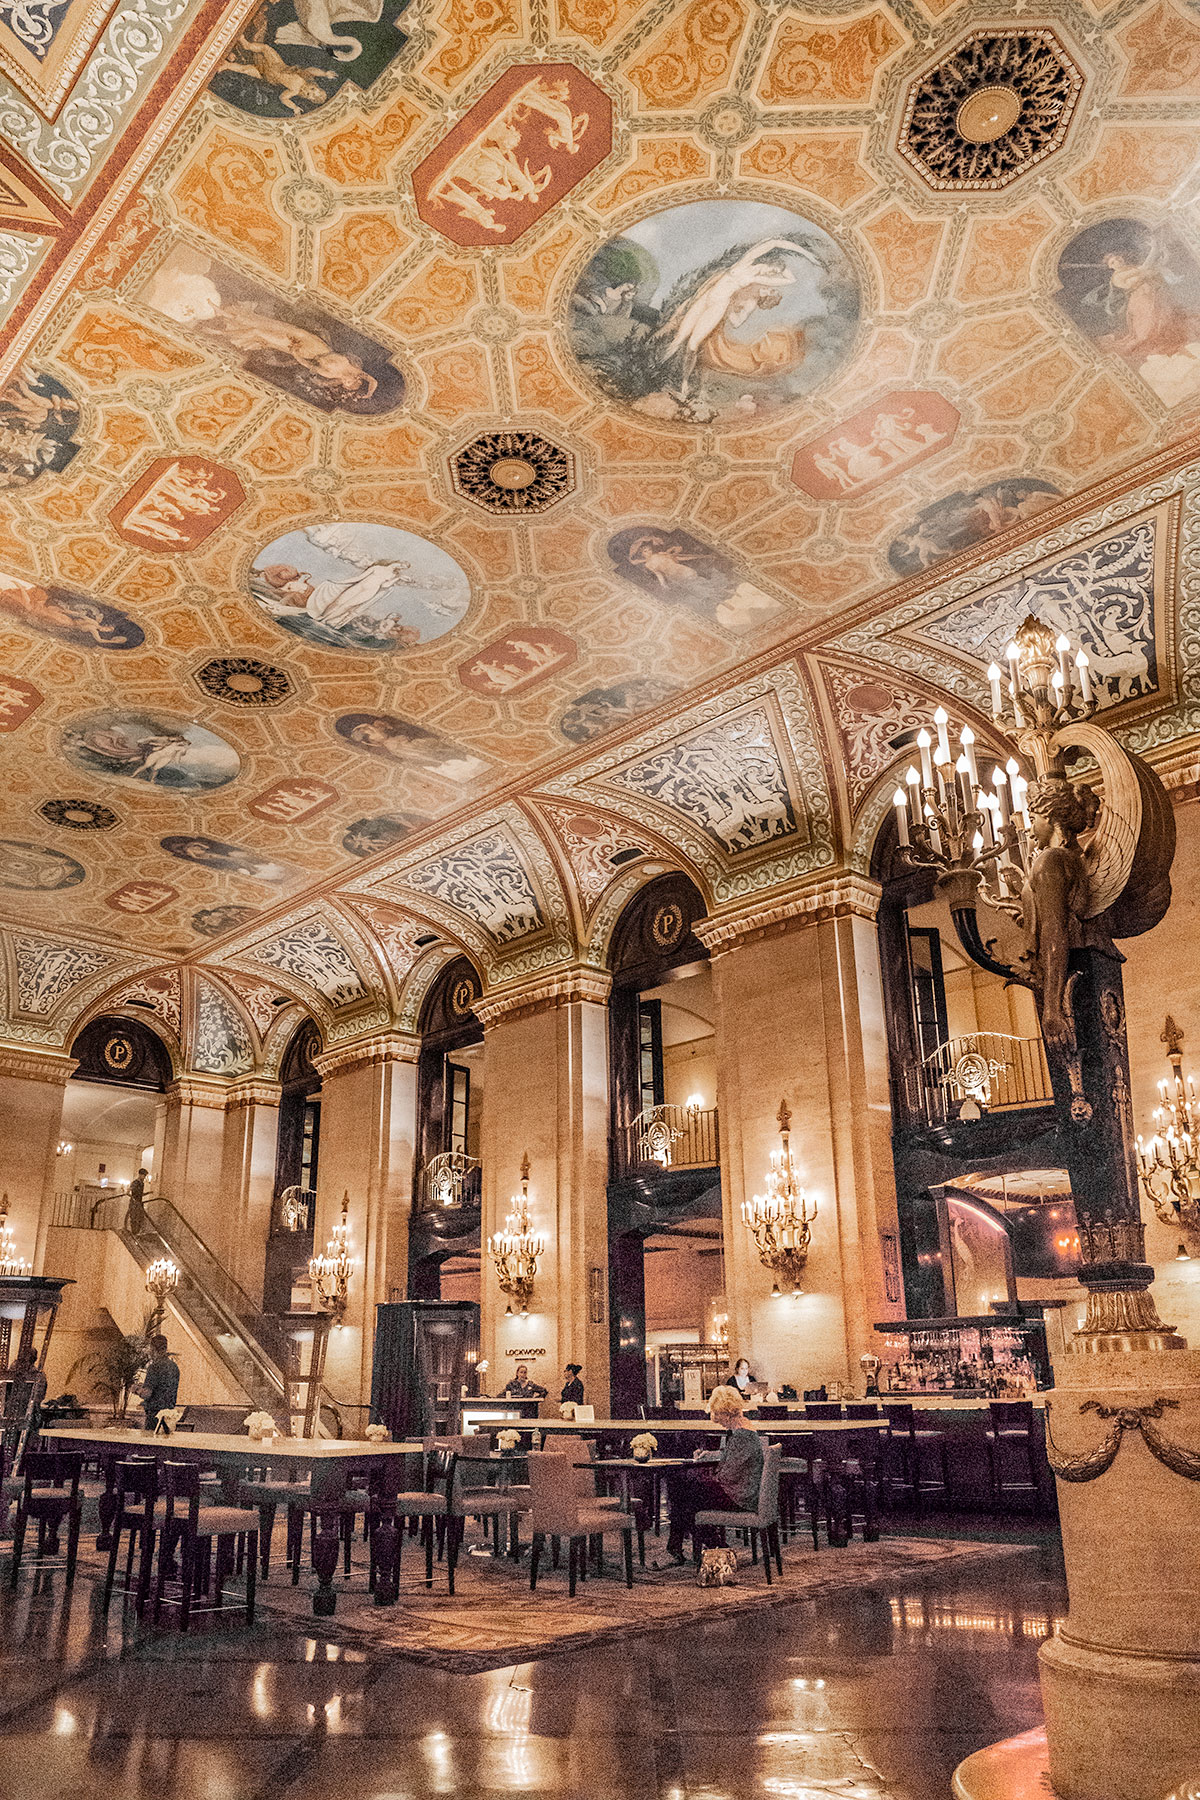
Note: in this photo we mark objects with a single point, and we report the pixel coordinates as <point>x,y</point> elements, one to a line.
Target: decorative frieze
<point>846,895</point>
<point>30,1065</point>
<point>560,988</point>
<point>384,1047</point>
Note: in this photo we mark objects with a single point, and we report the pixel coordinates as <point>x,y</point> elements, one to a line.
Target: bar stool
<point>135,1500</point>
<point>268,1495</point>
<point>823,1409</point>
<point>50,1496</point>
<point>1011,1428</point>
<point>912,1442</point>
<point>233,1529</point>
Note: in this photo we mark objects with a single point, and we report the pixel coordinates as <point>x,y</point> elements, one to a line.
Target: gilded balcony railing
<point>673,1137</point>
<point>450,1179</point>
<point>981,1073</point>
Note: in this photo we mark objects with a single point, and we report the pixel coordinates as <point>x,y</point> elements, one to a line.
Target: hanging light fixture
<point>781,1219</point>
<point>162,1278</point>
<point>1169,1165</point>
<point>330,1272</point>
<point>517,1249</point>
<point>10,1262</point>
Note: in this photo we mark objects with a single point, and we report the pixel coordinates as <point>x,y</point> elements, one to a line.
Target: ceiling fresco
<point>455,459</point>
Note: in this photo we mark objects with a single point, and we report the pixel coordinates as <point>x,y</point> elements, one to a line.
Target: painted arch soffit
<point>321,958</point>
<point>596,849</point>
<point>739,782</point>
<point>220,1038</point>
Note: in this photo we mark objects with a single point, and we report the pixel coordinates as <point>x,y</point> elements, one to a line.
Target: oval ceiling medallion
<point>150,748</point>
<point>351,586</point>
<point>715,312</point>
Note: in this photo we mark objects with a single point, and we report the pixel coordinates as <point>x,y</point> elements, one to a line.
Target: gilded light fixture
<point>162,1278</point>
<point>781,1219</point>
<point>330,1272</point>
<point>517,1249</point>
<point>10,1262</point>
<point>1169,1165</point>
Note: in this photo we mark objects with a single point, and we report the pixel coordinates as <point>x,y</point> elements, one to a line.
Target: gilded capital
<point>368,1052</point>
<point>844,895</point>
<point>545,993</point>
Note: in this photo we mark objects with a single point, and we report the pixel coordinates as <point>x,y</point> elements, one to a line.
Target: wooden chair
<point>389,1506</point>
<point>763,1522</point>
<point>559,1511</point>
<point>50,1497</point>
<point>846,1481</point>
<point>135,1500</point>
<point>192,1533</point>
<point>1011,1429</point>
<point>913,1444</point>
<point>465,1502</point>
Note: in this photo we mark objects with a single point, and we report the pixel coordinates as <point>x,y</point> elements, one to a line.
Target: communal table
<point>328,1461</point>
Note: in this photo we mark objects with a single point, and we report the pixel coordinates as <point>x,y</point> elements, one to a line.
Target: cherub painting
<point>359,587</point>
<point>215,921</point>
<point>675,566</point>
<point>228,859</point>
<point>601,709</point>
<point>38,421</point>
<point>71,617</point>
<point>412,746</point>
<point>367,837</point>
<point>717,311</point>
<point>1135,290</point>
<point>34,868</point>
<point>306,353</point>
<point>293,56</point>
<point>966,517</point>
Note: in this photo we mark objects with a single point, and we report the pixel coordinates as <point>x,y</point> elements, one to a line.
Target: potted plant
<point>643,1446</point>
<point>112,1371</point>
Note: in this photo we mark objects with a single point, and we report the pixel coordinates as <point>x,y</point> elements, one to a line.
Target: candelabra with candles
<point>1169,1165</point>
<point>162,1278</point>
<point>330,1272</point>
<point>10,1262</point>
<point>781,1219</point>
<point>517,1249</point>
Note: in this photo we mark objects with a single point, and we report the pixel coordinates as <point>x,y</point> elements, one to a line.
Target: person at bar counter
<point>731,1485</point>
<point>159,1386</point>
<point>741,1378</point>
<point>573,1386</point>
<point>521,1388</point>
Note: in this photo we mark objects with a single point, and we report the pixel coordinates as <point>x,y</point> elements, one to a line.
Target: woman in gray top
<point>729,1485</point>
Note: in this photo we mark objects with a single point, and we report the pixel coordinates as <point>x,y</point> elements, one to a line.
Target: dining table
<point>327,1462</point>
<point>623,1467</point>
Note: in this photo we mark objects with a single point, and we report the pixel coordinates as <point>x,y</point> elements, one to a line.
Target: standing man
<point>159,1385</point>
<point>136,1220</point>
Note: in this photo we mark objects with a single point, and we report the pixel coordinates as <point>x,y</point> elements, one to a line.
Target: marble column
<point>32,1085</point>
<point>799,1016</point>
<point>248,1179</point>
<point>546,1094</point>
<point>368,1136</point>
<point>193,1151</point>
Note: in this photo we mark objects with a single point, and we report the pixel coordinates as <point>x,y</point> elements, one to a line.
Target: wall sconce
<point>10,1262</point>
<point>781,1219</point>
<point>1169,1165</point>
<point>517,1249</point>
<point>330,1272</point>
<point>63,1148</point>
<point>162,1278</point>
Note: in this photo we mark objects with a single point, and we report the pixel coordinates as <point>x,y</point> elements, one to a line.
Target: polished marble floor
<point>868,1695</point>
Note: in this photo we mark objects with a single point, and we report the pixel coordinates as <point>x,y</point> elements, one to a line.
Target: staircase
<point>245,1340</point>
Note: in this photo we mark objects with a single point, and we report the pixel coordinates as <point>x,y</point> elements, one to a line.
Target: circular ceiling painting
<point>150,747</point>
<point>24,865</point>
<point>717,311</point>
<point>359,587</point>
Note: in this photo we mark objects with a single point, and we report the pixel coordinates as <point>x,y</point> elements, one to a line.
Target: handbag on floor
<point>718,1568</point>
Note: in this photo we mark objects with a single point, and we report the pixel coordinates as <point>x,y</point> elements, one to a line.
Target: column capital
<point>37,1065</point>
<point>841,896</point>
<point>211,1091</point>
<point>367,1052</point>
<point>256,1090</point>
<point>547,992</point>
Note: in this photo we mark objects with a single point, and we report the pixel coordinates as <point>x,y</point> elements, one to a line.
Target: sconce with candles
<point>781,1219</point>
<point>162,1278</point>
<point>517,1249</point>
<point>330,1272</point>
<point>10,1262</point>
<point>1169,1165</point>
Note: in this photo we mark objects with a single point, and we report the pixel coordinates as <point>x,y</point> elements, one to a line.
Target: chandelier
<point>330,1272</point>
<point>1169,1165</point>
<point>10,1263</point>
<point>781,1219</point>
<point>517,1249</point>
<point>949,817</point>
<point>162,1278</point>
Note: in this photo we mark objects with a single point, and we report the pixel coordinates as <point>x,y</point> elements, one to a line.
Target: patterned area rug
<point>493,1620</point>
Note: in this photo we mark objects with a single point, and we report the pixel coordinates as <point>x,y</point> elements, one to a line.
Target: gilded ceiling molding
<point>280,1036</point>
<point>31,1065</point>
<point>255,1092</point>
<point>563,988</point>
<point>205,1092</point>
<point>369,1052</point>
<point>845,895</point>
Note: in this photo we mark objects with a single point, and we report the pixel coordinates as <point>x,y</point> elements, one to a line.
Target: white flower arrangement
<point>259,1424</point>
<point>168,1419</point>
<point>378,1434</point>
<point>567,1410</point>
<point>644,1444</point>
<point>508,1440</point>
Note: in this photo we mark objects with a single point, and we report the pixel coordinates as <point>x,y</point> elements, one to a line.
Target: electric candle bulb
<point>923,742</point>
<point>1085,676</point>
<point>941,719</point>
<point>900,802</point>
<point>1063,646</point>
<point>994,675</point>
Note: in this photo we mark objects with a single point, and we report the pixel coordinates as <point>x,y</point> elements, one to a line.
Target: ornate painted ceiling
<point>456,457</point>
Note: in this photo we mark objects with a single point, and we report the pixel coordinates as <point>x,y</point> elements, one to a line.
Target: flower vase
<point>641,1456</point>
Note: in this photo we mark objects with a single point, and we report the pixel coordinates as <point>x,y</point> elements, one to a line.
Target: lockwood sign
<point>524,1355</point>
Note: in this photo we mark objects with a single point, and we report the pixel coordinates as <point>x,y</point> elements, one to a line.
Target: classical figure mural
<point>487,880</point>
<point>215,921</point>
<point>176,504</point>
<point>359,587</point>
<point>412,746</point>
<point>138,897</point>
<point>70,617</point>
<point>312,953</point>
<point>34,867</point>
<point>367,837</point>
<point>967,517</point>
<point>19,700</point>
<point>1101,596</point>
<point>150,747</point>
<point>676,566</point>
<point>306,353</point>
<point>39,419</point>
<point>287,802</point>
<point>600,709</point>
<point>669,317</point>
<point>511,664</point>
<point>46,972</point>
<point>520,150</point>
<point>729,780</point>
<point>228,859</point>
<point>882,440</point>
<point>1135,290</point>
<point>294,55</point>
<point>223,1045</point>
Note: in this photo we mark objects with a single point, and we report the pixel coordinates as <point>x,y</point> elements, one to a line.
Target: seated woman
<point>741,1378</point>
<point>729,1485</point>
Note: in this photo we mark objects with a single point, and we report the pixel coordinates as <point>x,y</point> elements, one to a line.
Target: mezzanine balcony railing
<point>979,1074</point>
<point>671,1137</point>
<point>450,1179</point>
